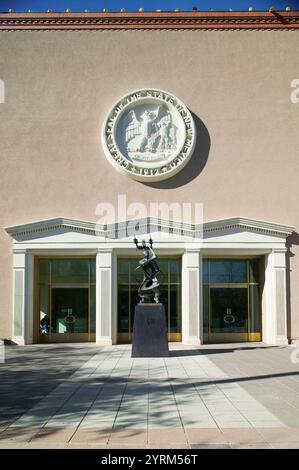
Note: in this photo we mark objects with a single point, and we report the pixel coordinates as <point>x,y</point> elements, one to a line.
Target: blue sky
<point>149,5</point>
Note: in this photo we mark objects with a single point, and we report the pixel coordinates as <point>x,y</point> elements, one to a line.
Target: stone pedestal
<point>150,331</point>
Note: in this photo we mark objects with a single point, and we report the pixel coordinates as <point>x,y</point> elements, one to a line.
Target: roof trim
<point>150,225</point>
<point>259,20</point>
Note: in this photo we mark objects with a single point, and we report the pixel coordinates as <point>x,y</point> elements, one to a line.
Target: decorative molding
<point>281,20</point>
<point>149,225</point>
<point>253,225</point>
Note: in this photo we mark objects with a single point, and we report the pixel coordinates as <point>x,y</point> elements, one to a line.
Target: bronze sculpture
<point>150,285</point>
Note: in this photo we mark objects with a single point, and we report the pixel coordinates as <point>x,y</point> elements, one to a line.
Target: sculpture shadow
<point>195,165</point>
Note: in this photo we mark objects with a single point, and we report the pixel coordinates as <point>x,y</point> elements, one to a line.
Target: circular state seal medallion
<point>149,135</point>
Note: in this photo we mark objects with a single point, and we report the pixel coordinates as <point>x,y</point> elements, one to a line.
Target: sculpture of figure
<point>146,129</point>
<point>164,136</point>
<point>153,133</point>
<point>150,284</point>
<point>167,133</point>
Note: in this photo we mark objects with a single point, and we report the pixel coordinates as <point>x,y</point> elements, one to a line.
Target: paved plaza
<point>83,396</point>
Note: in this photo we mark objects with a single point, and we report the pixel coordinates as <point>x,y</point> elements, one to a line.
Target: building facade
<point>214,123</point>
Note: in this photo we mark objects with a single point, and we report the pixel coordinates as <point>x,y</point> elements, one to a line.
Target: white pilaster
<point>104,296</point>
<point>274,304</point>
<point>22,297</point>
<point>192,297</point>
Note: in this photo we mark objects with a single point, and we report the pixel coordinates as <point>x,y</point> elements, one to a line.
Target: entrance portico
<point>61,238</point>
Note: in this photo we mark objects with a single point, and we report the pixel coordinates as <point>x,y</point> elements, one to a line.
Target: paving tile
<point>280,435</point>
<point>205,436</point>
<point>125,446</point>
<point>210,446</point>
<point>170,446</point>
<point>248,406</point>
<point>262,415</point>
<point>77,445</point>
<point>221,408</point>
<point>198,412</point>
<point>227,415</point>
<point>91,436</point>
<point>4,426</point>
<point>227,424</point>
<point>13,445</point>
<point>267,424</point>
<point>130,424</point>
<point>204,424</point>
<point>166,436</point>
<point>129,437</point>
<point>97,422</point>
<point>53,434</point>
<point>284,445</point>
<point>18,434</point>
<point>164,424</point>
<point>45,445</point>
<point>251,446</point>
<point>243,436</point>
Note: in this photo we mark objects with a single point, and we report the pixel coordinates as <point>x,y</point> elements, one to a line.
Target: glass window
<point>123,309</point>
<point>44,311</point>
<point>69,271</point>
<point>44,271</point>
<point>206,291</point>
<point>254,309</point>
<point>231,311</point>
<point>226,271</point>
<point>254,270</point>
<point>123,267</point>
<point>170,285</point>
<point>67,296</point>
<point>92,267</point>
<point>174,271</point>
<point>174,309</point>
<point>92,303</point>
<point>69,310</point>
<point>205,271</point>
<point>163,276</point>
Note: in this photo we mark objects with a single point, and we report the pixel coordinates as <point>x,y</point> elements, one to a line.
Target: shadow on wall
<point>197,162</point>
<point>292,240</point>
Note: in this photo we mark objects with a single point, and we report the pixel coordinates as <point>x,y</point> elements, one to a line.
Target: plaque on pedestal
<point>150,331</point>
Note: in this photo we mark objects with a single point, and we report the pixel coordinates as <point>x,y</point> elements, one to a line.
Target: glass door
<point>128,282</point>
<point>229,312</point>
<point>69,310</point>
<point>232,300</point>
<point>66,299</point>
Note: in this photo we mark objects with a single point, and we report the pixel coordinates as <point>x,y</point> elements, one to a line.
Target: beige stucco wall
<point>60,85</point>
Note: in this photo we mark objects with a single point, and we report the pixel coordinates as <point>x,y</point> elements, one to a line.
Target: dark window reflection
<point>222,271</point>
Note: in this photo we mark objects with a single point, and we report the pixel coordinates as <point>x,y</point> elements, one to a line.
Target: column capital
<point>20,251</point>
<point>283,250</point>
<point>104,250</point>
<point>192,249</point>
<point>192,258</point>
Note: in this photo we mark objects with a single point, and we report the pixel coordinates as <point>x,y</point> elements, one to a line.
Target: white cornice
<point>252,225</point>
<point>150,224</point>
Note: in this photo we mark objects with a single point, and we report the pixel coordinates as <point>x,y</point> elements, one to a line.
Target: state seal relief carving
<point>149,135</point>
